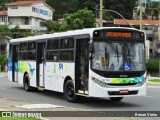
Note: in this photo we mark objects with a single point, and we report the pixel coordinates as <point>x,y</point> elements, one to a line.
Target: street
<point>150,102</point>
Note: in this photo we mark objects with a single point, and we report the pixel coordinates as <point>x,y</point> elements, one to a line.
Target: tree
<point>81,19</point>
<point>3,61</point>
<point>57,6</point>
<point>124,7</point>
<point>89,4</point>
<point>69,6</point>
<point>52,26</point>
<point>4,31</point>
<point>107,16</point>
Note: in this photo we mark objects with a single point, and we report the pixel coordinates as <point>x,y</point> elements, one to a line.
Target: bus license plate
<point>123,92</point>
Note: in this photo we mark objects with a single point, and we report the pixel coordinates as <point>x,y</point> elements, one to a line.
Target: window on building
<point>33,9</point>
<point>26,20</point>
<point>14,7</point>
<point>3,19</point>
<point>42,24</point>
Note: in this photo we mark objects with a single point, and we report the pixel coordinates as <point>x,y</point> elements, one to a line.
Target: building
<point>29,14</point>
<point>4,17</point>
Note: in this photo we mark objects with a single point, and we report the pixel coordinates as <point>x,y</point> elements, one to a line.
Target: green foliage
<point>52,26</point>
<point>15,32</point>
<point>107,16</point>
<point>4,31</point>
<point>18,33</point>
<point>152,65</point>
<point>56,5</point>
<point>81,19</point>
<point>89,4</point>
<point>156,80</point>
<point>3,60</point>
<point>124,7</point>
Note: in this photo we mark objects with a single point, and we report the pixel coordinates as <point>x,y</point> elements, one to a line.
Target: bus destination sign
<point>119,34</point>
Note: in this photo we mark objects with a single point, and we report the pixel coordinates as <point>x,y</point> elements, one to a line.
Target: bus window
<point>53,44</point>
<point>67,49</point>
<point>23,51</point>
<point>52,55</point>
<point>52,52</point>
<point>67,43</point>
<point>31,51</point>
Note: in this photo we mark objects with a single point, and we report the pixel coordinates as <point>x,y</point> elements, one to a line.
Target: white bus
<point>96,62</point>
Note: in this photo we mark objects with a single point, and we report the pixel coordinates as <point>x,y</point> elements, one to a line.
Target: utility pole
<point>140,14</point>
<point>101,9</point>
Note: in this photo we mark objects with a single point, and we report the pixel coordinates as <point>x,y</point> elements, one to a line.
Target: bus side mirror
<point>91,51</point>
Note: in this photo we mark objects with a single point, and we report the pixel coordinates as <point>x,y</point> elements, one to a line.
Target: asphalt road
<point>150,102</point>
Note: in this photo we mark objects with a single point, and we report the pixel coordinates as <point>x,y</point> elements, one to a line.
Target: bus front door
<point>15,63</point>
<point>82,66</point>
<point>40,64</point>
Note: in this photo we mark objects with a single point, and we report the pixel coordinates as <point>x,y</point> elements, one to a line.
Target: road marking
<point>3,110</point>
<point>39,106</point>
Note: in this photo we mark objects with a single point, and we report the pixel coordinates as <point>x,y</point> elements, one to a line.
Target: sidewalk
<point>8,104</point>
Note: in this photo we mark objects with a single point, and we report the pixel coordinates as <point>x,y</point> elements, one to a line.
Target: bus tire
<point>116,99</point>
<point>69,92</point>
<point>26,84</point>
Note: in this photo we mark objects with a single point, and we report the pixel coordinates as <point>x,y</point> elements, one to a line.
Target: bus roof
<point>63,34</point>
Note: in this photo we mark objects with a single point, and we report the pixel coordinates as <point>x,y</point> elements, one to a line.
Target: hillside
<point>61,7</point>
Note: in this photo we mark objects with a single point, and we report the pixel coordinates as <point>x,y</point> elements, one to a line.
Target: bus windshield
<point>119,56</point>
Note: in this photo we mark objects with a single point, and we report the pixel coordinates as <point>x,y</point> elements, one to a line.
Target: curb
<point>149,83</point>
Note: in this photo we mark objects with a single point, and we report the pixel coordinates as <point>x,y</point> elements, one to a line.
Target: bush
<point>3,61</point>
<point>153,66</point>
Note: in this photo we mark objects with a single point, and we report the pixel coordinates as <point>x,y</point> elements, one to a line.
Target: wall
<point>24,10</point>
<point>42,11</point>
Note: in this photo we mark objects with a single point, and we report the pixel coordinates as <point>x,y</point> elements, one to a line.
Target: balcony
<point>22,26</point>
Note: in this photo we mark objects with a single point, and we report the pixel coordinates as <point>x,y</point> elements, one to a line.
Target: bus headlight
<point>99,82</point>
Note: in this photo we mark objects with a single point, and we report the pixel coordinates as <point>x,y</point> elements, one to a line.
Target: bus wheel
<point>116,99</point>
<point>26,84</point>
<point>69,92</point>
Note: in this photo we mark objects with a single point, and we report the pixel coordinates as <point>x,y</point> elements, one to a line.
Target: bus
<point>107,62</point>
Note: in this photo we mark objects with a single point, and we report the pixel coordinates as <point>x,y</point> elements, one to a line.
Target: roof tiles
<point>136,22</point>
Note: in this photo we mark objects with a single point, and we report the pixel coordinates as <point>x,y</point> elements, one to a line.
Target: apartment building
<point>29,14</point>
